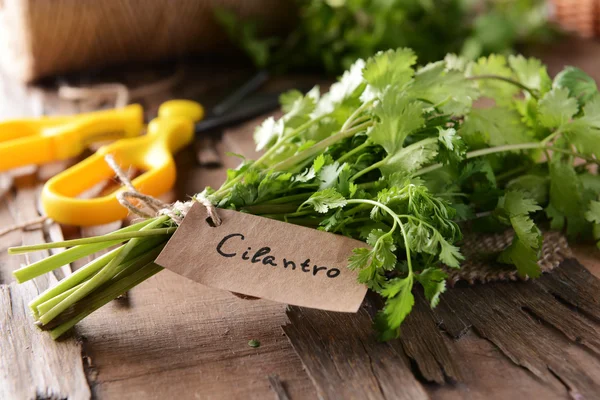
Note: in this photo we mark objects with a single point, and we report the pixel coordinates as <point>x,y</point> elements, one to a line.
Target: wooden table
<point>172,338</point>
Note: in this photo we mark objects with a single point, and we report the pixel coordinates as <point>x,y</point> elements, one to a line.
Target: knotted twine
<point>176,211</point>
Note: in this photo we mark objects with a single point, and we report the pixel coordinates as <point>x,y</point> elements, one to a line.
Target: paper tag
<point>265,258</point>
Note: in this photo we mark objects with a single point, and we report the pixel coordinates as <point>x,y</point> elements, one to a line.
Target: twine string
<point>211,210</point>
<point>26,225</point>
<point>120,93</point>
<point>176,211</point>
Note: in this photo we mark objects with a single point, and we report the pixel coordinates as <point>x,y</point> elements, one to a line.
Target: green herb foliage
<point>398,157</point>
<point>332,34</point>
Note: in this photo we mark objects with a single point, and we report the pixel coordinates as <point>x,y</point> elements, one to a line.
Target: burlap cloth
<point>481,251</point>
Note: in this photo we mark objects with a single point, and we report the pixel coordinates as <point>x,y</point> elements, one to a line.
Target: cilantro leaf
<point>453,148</point>
<point>449,254</point>
<point>433,281</point>
<point>398,305</point>
<point>399,116</point>
<point>369,266</point>
<point>328,175</point>
<point>297,107</point>
<point>565,189</point>
<point>495,126</point>
<point>584,132</point>
<point>392,67</point>
<point>516,203</point>
<point>524,250</point>
<point>360,258</point>
<point>475,167</point>
<point>447,90</point>
<point>523,257</point>
<point>579,84</point>
<point>534,186</point>
<point>410,158</point>
<point>531,72</point>
<point>267,132</point>
<point>557,108</point>
<point>324,200</point>
<point>593,214</point>
<point>347,87</point>
<point>526,230</point>
<point>447,137</point>
<point>383,248</point>
<point>494,65</point>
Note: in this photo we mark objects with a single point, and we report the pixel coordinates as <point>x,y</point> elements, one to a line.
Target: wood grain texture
<point>278,388</point>
<point>433,352</point>
<point>181,339</point>
<point>344,359</point>
<point>532,328</point>
<point>32,364</point>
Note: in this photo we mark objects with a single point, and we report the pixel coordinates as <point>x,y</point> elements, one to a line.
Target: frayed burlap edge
<point>481,252</point>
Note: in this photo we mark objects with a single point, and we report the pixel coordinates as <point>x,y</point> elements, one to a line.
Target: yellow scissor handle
<point>41,140</point>
<point>152,153</point>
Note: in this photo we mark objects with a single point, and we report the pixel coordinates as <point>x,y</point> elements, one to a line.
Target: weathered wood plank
<point>344,359</point>
<point>434,353</point>
<point>278,388</point>
<point>575,285</point>
<point>31,363</point>
<point>492,376</point>
<point>181,339</point>
<point>497,313</point>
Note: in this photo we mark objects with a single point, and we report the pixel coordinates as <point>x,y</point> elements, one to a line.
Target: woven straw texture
<point>46,37</point>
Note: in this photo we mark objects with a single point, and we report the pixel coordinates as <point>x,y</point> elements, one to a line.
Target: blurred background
<point>48,38</point>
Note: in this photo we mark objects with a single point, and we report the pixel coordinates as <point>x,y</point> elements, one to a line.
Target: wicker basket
<point>45,37</point>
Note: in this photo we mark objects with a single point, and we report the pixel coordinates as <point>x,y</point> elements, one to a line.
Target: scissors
<point>170,131</point>
<point>177,123</point>
<point>45,139</point>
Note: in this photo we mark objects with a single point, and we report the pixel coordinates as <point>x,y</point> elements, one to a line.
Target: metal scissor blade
<point>252,107</point>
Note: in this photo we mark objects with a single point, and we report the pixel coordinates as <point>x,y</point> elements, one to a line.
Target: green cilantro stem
<point>90,269</point>
<point>65,257</point>
<point>108,295</point>
<point>120,237</point>
<point>355,150</point>
<point>74,279</point>
<point>353,117</point>
<point>320,146</point>
<point>552,136</point>
<point>511,147</point>
<point>507,80</point>
<point>397,222</point>
<point>102,276</point>
<point>511,172</point>
<point>285,137</point>
<point>289,199</point>
<point>370,168</point>
<point>386,159</point>
<point>484,152</point>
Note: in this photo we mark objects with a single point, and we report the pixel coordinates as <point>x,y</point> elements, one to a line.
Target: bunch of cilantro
<point>398,157</point>
<point>331,34</point>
